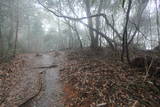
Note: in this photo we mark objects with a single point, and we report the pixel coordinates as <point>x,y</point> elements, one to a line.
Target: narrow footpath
<point>51,90</point>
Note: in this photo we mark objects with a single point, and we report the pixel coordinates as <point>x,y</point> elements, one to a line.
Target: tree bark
<point>125,49</point>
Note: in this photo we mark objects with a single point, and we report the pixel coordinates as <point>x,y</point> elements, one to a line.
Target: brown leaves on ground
<point>18,82</point>
<point>9,76</point>
<point>96,80</point>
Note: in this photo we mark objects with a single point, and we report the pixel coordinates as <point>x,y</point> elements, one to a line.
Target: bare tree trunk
<point>150,28</point>
<point>71,44</point>
<point>1,38</point>
<point>109,40</point>
<point>28,37</point>
<point>100,40</point>
<point>17,29</point>
<point>78,36</point>
<point>1,42</point>
<point>11,31</point>
<point>113,34</point>
<point>98,23</point>
<point>125,49</point>
<point>113,24</point>
<point>15,45</point>
<point>90,22</point>
<point>157,20</point>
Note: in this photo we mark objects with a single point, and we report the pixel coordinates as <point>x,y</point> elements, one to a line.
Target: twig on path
<point>39,90</point>
<point>43,67</point>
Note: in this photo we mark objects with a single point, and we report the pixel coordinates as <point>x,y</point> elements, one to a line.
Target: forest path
<point>49,96</point>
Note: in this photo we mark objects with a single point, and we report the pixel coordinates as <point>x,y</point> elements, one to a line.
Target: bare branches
<point>82,18</point>
<point>109,40</point>
<point>71,18</point>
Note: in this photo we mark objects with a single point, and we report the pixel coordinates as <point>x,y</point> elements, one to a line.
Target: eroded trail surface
<point>49,96</point>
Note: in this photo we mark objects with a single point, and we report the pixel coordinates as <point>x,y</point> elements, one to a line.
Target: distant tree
<point>17,28</point>
<point>157,21</point>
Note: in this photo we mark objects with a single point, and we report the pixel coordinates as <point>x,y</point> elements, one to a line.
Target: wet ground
<point>51,91</point>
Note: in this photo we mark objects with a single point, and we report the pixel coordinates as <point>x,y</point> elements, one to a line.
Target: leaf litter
<point>95,80</point>
<point>15,78</point>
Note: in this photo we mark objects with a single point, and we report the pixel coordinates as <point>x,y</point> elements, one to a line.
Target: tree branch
<point>82,18</point>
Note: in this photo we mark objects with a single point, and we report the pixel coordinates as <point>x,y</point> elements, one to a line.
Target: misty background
<point>26,26</point>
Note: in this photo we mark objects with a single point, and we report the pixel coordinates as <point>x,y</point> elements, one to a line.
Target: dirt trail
<point>36,83</point>
<point>51,87</point>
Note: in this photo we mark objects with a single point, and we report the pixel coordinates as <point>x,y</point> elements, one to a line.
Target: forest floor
<point>75,78</point>
<point>99,79</point>
<point>31,80</point>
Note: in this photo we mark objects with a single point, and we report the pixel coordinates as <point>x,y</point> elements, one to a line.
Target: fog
<point>46,25</point>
